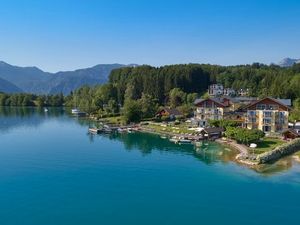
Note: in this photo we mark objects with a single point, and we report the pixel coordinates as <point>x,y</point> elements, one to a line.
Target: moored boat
<point>94,130</point>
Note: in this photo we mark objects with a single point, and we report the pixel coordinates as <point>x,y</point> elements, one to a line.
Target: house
<point>210,109</point>
<point>212,133</point>
<point>290,134</point>
<point>216,90</point>
<point>172,113</point>
<point>267,114</point>
<point>229,92</point>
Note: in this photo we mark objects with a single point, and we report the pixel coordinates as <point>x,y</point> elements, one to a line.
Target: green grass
<point>114,120</point>
<point>267,144</point>
<point>173,129</point>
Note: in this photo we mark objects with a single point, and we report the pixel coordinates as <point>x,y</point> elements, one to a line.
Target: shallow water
<point>53,172</point>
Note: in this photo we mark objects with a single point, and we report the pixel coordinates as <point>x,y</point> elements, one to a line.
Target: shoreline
<point>243,152</point>
<point>243,157</point>
<point>240,158</point>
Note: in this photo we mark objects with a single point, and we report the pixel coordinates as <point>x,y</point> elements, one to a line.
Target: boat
<point>163,137</point>
<point>75,111</point>
<point>130,130</point>
<point>94,130</point>
<point>184,141</point>
<point>107,130</point>
<point>121,130</point>
<point>174,139</point>
<point>46,110</point>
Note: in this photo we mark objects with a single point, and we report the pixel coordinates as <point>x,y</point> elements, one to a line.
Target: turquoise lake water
<point>52,172</point>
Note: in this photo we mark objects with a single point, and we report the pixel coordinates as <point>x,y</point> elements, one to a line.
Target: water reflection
<point>208,153</point>
<point>13,117</point>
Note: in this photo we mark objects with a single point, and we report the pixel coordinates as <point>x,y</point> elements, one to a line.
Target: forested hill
<point>131,82</point>
<point>261,80</point>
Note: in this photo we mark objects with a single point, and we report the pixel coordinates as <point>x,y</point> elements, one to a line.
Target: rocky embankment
<point>279,152</point>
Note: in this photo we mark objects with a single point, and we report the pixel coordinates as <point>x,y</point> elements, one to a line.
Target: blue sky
<point>68,34</point>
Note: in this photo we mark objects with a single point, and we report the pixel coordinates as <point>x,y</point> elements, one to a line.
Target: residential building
<point>268,115</point>
<point>229,92</point>
<point>216,90</point>
<point>211,109</point>
<point>172,113</point>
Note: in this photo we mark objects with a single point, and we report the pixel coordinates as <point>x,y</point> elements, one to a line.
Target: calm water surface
<point>53,172</point>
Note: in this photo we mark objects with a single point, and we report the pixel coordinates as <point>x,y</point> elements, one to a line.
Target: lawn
<point>174,129</point>
<point>113,120</point>
<point>267,144</point>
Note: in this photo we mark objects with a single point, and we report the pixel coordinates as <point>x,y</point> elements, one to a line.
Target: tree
<point>40,101</point>
<point>176,97</point>
<point>132,111</point>
<point>190,98</point>
<point>244,136</point>
<point>148,106</point>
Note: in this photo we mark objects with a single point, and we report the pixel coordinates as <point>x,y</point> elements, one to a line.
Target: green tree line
<point>31,100</point>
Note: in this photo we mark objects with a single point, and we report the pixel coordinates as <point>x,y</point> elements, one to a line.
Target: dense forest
<point>143,89</point>
<point>261,80</point>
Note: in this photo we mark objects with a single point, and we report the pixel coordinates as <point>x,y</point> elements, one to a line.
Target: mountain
<point>8,87</point>
<point>288,62</point>
<point>34,80</point>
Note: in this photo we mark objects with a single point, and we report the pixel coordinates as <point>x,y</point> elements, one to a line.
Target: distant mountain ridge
<point>288,62</point>
<point>34,80</point>
<point>7,87</point>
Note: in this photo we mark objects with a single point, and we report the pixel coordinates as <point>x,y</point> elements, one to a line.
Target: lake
<point>52,172</point>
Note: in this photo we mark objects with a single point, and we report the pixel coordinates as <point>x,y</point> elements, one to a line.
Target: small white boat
<point>130,130</point>
<point>174,139</point>
<point>46,110</point>
<point>121,130</point>
<point>94,130</point>
<point>75,111</point>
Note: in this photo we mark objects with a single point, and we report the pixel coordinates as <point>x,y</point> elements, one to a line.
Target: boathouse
<point>212,133</point>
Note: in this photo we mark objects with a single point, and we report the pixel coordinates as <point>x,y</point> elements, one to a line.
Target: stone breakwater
<point>279,152</point>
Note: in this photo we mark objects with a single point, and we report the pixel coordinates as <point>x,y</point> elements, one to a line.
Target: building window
<point>268,114</point>
<point>251,113</point>
<point>260,106</point>
<point>267,120</point>
<point>273,107</point>
<point>266,128</point>
<point>281,114</point>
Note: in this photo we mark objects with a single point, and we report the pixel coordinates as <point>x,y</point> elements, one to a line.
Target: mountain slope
<point>8,87</point>
<point>288,62</point>
<point>34,80</point>
<point>67,81</point>
<point>24,77</point>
